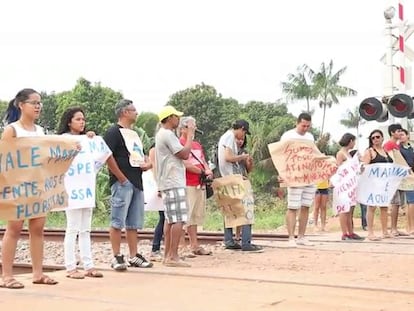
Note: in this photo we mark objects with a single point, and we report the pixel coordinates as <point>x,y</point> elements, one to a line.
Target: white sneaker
<point>304,242</point>
<point>291,243</point>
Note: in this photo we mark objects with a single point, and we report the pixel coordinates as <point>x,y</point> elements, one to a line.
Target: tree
<point>299,85</point>
<point>353,120</point>
<point>148,122</point>
<point>48,116</point>
<point>213,113</point>
<point>327,89</point>
<point>98,101</point>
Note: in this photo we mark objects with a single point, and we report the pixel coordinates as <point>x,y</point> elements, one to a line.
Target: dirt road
<point>331,275</point>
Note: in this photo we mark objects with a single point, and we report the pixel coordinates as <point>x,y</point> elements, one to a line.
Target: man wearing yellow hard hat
<point>171,180</point>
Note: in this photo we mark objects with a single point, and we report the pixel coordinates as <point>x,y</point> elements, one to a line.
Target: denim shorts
<point>322,191</point>
<point>127,206</point>
<point>409,196</point>
<point>398,198</point>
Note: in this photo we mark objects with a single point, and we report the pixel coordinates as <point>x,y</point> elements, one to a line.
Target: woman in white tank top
<point>22,113</point>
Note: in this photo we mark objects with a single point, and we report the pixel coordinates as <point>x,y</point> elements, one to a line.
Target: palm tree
<point>299,85</point>
<point>353,120</point>
<point>327,89</point>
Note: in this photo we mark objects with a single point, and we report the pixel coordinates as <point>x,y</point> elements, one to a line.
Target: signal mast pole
<point>389,13</point>
<point>401,40</point>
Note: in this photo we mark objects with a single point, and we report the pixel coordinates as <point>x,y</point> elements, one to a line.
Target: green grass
<point>269,214</point>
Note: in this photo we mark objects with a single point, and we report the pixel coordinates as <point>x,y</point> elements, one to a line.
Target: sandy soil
<point>332,275</point>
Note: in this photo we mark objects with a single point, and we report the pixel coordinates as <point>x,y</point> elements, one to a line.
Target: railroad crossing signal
<point>399,106</point>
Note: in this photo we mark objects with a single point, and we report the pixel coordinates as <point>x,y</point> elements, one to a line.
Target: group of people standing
<point>180,168</point>
<point>377,152</point>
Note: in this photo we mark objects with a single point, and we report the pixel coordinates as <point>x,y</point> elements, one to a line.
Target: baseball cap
<point>167,111</point>
<point>242,124</point>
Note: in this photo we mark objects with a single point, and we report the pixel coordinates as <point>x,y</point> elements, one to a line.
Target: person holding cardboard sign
<point>299,198</point>
<point>127,197</point>
<point>228,160</point>
<point>22,113</point>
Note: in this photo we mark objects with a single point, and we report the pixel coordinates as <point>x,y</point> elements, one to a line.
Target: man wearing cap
<point>196,167</point>
<point>127,199</point>
<point>228,160</point>
<point>169,155</point>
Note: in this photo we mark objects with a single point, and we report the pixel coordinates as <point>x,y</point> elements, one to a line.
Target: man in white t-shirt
<point>299,198</point>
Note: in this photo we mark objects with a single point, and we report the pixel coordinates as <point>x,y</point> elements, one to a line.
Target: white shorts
<point>301,196</point>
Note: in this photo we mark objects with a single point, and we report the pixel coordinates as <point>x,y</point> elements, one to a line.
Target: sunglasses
<point>375,137</point>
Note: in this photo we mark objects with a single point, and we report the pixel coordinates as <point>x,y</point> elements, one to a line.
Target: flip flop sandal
<point>92,273</point>
<point>180,264</point>
<point>75,274</point>
<point>12,284</point>
<point>201,252</point>
<point>45,280</point>
<point>373,238</point>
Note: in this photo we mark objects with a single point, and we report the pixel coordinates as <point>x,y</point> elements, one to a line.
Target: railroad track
<point>103,236</point>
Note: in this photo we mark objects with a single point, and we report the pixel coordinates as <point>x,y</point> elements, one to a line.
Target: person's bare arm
<point>114,168</point>
<point>8,133</point>
<point>229,156</point>
<point>366,158</point>
<point>340,158</point>
<point>249,164</point>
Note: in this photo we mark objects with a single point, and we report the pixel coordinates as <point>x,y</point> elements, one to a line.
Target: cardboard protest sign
<point>407,184</point>
<point>80,179</point>
<point>378,183</point>
<point>32,173</point>
<point>134,145</point>
<point>300,163</point>
<point>345,184</point>
<point>234,195</point>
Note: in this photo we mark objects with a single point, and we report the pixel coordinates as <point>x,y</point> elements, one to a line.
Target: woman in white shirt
<point>22,113</point>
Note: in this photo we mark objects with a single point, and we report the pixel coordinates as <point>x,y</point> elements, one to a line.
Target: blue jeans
<point>246,236</point>
<point>127,206</point>
<point>363,215</point>
<point>158,232</point>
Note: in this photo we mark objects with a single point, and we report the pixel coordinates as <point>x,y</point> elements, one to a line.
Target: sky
<point>149,50</point>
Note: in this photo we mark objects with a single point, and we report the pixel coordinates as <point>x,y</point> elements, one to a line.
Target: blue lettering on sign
<point>80,194</point>
<point>137,148</point>
<point>25,189</point>
<point>53,181</point>
<point>97,147</point>
<point>11,160</point>
<point>61,155</point>
<point>383,172</point>
<point>379,199</point>
<point>80,168</point>
<point>37,208</point>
